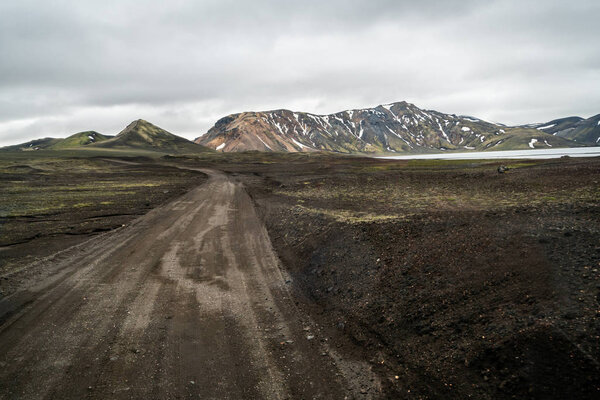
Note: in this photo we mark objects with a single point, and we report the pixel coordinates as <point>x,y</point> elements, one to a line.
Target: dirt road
<point>187,301</point>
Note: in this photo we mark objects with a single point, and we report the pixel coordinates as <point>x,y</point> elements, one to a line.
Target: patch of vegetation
<point>42,194</point>
<point>411,187</point>
<point>349,216</point>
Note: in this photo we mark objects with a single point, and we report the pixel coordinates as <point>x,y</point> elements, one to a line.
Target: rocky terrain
<point>455,281</point>
<point>391,128</point>
<point>397,279</point>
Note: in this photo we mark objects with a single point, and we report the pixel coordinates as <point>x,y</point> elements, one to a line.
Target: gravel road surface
<point>188,301</point>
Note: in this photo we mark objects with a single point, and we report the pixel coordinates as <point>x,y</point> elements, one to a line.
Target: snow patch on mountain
<point>263,142</point>
<point>302,146</point>
<point>546,127</point>
<point>532,142</point>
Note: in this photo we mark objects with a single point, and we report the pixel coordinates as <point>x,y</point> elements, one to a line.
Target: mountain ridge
<point>399,127</point>
<point>78,139</point>
<point>582,130</point>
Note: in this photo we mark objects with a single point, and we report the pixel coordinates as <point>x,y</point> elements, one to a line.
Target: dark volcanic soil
<point>186,302</point>
<point>431,279</point>
<point>486,299</point>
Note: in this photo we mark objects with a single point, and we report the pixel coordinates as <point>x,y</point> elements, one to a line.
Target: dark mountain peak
<point>580,130</point>
<point>595,117</point>
<point>400,104</point>
<point>277,111</point>
<point>404,104</point>
<point>572,119</point>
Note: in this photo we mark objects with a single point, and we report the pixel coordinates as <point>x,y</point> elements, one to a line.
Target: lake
<point>508,154</point>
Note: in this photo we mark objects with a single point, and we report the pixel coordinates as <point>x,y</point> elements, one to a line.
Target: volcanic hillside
<point>586,131</point>
<point>142,134</point>
<point>396,127</point>
<point>77,140</point>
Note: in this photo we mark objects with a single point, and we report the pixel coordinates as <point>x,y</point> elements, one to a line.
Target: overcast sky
<point>69,66</point>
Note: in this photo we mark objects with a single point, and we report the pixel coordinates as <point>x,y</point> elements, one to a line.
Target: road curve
<point>187,301</point>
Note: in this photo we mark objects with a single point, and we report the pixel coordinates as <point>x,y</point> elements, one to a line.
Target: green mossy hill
<point>32,145</point>
<point>80,139</point>
<point>138,136</point>
<point>75,141</point>
<point>144,135</point>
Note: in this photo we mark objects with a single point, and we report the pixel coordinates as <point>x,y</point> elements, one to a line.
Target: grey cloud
<point>62,62</point>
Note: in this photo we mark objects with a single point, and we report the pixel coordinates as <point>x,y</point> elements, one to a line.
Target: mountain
<point>396,127</point>
<point>80,139</point>
<point>77,140</point>
<point>142,134</point>
<point>585,131</point>
<point>139,134</point>
<point>32,145</point>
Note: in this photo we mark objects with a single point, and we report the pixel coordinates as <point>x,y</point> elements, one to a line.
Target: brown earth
<point>317,276</point>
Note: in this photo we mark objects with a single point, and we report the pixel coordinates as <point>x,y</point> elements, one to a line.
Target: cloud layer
<point>69,66</point>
